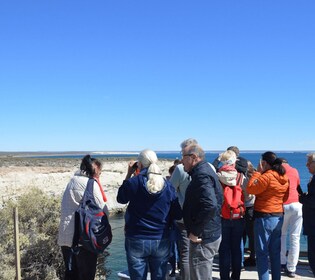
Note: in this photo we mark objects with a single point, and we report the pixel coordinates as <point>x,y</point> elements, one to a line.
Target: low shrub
<point>41,257</point>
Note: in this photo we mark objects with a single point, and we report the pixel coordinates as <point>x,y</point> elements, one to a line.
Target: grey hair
<point>188,142</point>
<point>311,156</point>
<point>197,150</point>
<point>148,159</point>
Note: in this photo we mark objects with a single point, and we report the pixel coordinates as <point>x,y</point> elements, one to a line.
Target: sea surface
<point>116,261</point>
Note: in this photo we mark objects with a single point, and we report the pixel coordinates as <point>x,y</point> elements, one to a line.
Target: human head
<point>148,159</point>
<point>191,155</point>
<point>171,169</point>
<point>234,149</point>
<point>188,142</point>
<point>269,160</point>
<point>269,157</point>
<point>91,167</point>
<point>310,164</point>
<point>228,157</point>
<point>241,165</point>
<point>283,160</point>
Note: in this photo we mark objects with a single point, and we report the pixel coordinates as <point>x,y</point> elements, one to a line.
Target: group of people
<point>192,198</point>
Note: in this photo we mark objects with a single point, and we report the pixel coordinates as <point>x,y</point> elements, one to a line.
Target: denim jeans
<point>292,224</point>
<point>230,254</point>
<point>268,243</point>
<point>143,254</point>
<point>201,259</point>
<point>184,244</point>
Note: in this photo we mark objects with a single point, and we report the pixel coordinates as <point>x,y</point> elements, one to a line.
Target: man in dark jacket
<point>308,201</point>
<point>201,212</point>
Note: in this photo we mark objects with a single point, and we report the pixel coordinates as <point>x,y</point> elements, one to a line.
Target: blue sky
<point>118,75</point>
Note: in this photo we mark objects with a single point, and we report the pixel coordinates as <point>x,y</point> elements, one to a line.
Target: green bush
<point>41,257</point>
<point>38,226</point>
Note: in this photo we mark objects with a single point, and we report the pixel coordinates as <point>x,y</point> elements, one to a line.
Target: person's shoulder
<point>241,165</point>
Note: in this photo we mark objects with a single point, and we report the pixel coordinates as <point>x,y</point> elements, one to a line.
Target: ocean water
<point>116,260</point>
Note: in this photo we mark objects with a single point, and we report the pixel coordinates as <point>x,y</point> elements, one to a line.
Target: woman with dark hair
<point>270,185</point>
<point>79,265</point>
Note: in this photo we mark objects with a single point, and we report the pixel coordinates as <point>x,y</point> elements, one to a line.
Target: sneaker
<point>249,262</point>
<point>289,273</point>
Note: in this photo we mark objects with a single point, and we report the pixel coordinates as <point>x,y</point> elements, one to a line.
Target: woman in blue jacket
<point>152,208</point>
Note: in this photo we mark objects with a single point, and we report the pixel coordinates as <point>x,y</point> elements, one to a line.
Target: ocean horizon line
<point>122,152</point>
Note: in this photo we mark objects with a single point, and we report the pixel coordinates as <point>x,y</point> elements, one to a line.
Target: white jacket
<point>70,203</point>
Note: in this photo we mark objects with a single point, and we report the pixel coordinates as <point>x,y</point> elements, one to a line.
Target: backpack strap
<point>88,193</point>
<point>238,179</point>
<point>101,189</point>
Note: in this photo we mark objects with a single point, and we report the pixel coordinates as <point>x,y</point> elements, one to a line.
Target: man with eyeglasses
<point>201,212</point>
<point>180,179</point>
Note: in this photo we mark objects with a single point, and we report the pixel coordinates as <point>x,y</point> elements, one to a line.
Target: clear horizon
<point>121,75</point>
<point>137,151</point>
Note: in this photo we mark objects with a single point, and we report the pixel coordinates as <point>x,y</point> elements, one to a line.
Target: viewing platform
<point>303,271</point>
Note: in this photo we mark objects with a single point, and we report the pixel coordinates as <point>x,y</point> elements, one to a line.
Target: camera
<point>135,165</point>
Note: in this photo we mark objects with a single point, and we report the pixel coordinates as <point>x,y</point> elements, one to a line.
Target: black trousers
<point>311,251</point>
<point>80,264</point>
<point>249,231</point>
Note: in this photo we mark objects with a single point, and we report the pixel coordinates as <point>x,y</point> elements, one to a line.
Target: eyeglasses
<point>186,155</point>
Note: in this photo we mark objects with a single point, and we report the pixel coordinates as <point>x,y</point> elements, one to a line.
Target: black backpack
<point>92,228</point>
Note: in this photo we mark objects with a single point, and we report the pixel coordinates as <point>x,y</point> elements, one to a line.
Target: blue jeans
<point>268,243</point>
<point>230,254</point>
<point>145,254</point>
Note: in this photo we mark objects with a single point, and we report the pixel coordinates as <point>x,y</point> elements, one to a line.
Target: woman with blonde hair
<point>152,208</point>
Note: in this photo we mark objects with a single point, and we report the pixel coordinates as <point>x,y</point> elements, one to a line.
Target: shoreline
<point>52,174</point>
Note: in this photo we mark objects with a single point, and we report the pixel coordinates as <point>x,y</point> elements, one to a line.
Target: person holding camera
<point>152,209</point>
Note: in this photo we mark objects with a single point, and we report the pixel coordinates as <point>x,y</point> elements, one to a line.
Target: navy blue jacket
<point>148,215</point>
<point>202,205</point>
<point>308,201</point>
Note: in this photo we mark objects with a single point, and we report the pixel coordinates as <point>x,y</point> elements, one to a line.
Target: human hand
<point>194,238</point>
<point>259,167</point>
<point>132,167</point>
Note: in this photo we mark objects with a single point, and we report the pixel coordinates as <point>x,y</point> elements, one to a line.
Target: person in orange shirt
<point>270,185</point>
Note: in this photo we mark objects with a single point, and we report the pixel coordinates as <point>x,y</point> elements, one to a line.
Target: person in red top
<point>292,222</point>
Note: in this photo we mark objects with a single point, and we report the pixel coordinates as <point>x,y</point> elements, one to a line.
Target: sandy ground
<point>17,175</point>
